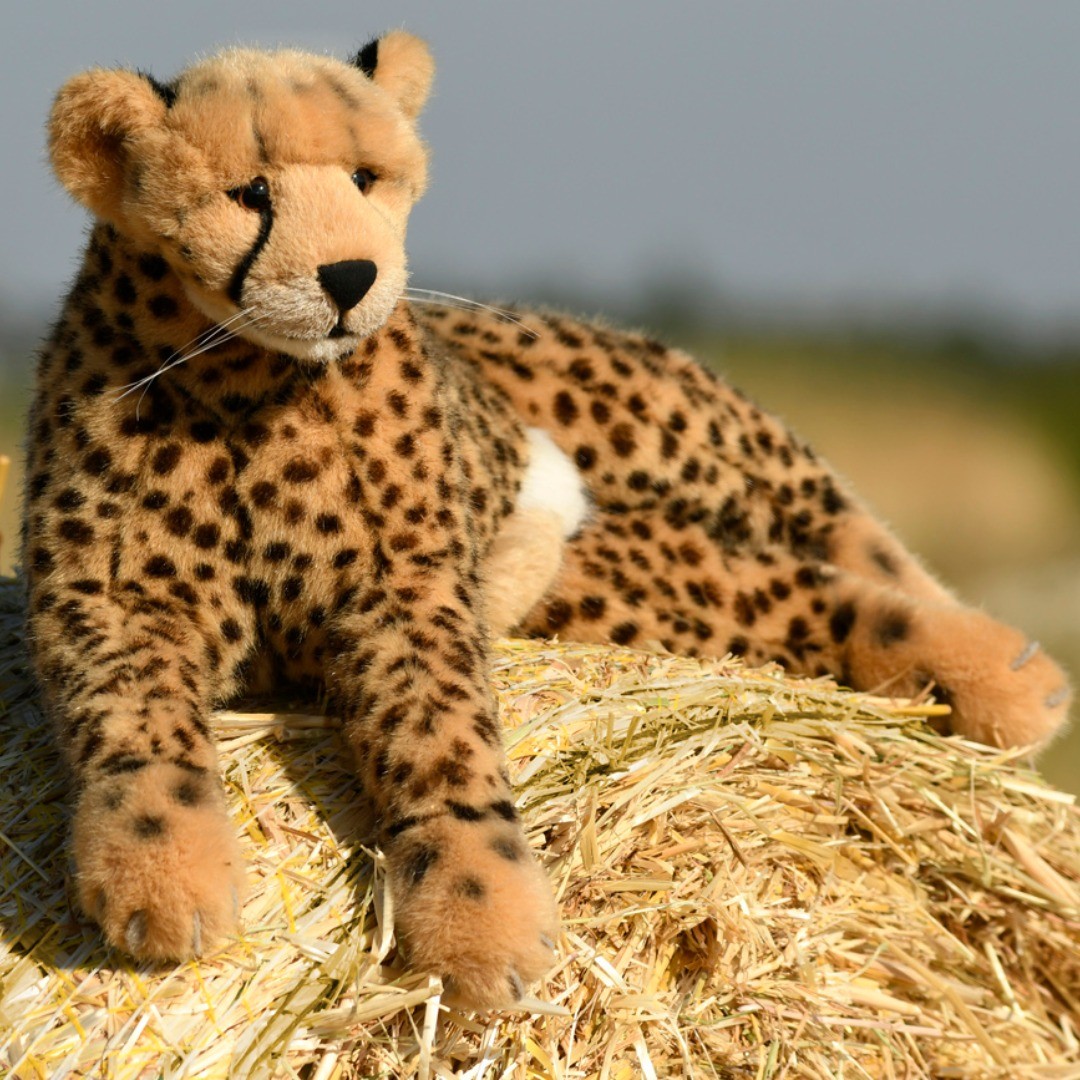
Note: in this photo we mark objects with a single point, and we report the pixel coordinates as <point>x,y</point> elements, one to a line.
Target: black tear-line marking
<point>236,285</point>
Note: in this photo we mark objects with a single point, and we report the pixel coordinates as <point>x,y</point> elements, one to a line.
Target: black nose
<point>348,282</point>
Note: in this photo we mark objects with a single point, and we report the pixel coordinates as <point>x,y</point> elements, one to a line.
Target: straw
<point>758,876</point>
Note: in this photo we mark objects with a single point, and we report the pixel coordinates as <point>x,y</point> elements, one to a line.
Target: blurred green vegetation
<point>967,442</point>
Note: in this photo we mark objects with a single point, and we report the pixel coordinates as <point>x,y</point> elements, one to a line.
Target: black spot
<point>231,631</point>
<point>76,530</point>
<point>585,457</point>
<point>95,384</point>
<point>780,589</point>
<point>738,646</point>
<point>885,562</point>
<point>832,500</point>
<point>745,615</point>
<point>179,520</point>
<point>125,292</point>
<point>148,826</point>
<point>507,848</point>
<point>97,462</point>
<point>159,566</point>
<point>187,793</point>
<point>593,607</point>
<point>464,812</point>
<point>218,472</point>
<point>163,307</point>
<point>841,621</point>
<point>559,613</point>
<point>207,536</point>
<point>204,431</point>
<point>252,591</point>
<point>420,860</point>
<point>505,809</point>
<point>622,440</point>
<point>345,557</point>
<point>566,410</point>
<point>471,888</point>
<point>892,628</point>
<point>153,266</point>
<point>123,762</point>
<point>69,499</point>
<point>300,471</point>
<point>41,559</point>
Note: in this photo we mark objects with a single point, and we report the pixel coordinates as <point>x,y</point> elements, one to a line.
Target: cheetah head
<point>276,186</point>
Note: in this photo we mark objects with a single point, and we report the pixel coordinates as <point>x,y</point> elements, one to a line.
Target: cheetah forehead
<point>247,109</point>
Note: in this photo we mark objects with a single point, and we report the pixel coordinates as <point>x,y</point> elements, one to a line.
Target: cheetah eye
<point>252,196</point>
<point>363,179</point>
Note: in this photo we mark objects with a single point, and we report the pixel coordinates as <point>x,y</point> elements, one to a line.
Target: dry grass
<point>759,878</point>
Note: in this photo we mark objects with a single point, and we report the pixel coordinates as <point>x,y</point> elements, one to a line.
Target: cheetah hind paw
<point>157,863</point>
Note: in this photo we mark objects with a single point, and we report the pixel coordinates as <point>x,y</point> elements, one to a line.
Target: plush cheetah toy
<point>251,460</point>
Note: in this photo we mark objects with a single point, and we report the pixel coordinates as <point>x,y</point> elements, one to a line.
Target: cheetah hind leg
<point>521,567</point>
<point>526,555</point>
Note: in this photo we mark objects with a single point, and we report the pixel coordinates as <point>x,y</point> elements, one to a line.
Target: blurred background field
<point>865,215</point>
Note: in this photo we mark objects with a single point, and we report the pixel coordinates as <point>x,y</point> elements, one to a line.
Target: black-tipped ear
<point>98,121</point>
<point>401,64</point>
<point>367,58</point>
<point>165,91</point>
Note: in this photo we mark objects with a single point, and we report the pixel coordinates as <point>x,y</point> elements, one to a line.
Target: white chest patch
<point>552,482</point>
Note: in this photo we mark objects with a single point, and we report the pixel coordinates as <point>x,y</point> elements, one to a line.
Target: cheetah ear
<point>402,65</point>
<point>97,122</point>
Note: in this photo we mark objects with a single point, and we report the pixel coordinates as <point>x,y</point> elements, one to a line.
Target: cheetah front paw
<point>157,863</point>
<point>474,909</point>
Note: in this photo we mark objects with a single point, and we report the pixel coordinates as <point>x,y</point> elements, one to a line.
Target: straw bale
<point>759,877</point>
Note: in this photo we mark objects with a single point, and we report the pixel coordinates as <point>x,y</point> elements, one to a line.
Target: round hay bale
<point>758,876</point>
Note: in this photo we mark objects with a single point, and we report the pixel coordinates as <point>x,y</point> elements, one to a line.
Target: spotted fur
<point>251,461</point>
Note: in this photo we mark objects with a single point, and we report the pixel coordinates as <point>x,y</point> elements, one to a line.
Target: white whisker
<point>209,339</point>
<point>206,340</point>
<point>445,299</point>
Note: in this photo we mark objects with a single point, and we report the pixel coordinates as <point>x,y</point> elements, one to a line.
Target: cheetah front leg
<point>129,682</point>
<point>410,679</point>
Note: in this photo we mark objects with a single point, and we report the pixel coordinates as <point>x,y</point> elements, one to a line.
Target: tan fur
<point>317,494</point>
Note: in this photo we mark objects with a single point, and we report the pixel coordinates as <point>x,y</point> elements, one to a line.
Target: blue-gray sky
<point>827,153</point>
